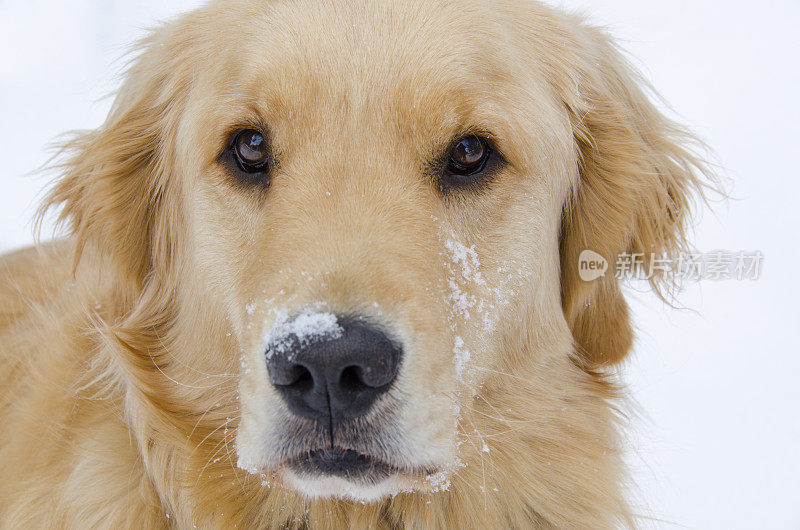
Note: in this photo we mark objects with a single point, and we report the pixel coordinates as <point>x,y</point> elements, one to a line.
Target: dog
<point>321,270</point>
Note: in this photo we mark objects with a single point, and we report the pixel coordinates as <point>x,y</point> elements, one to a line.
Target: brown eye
<point>470,163</point>
<point>468,156</point>
<point>251,151</point>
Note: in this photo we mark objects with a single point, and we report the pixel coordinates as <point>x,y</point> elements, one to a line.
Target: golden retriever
<point>321,271</point>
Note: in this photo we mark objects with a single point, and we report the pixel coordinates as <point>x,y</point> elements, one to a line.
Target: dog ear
<point>638,176</point>
<point>114,181</point>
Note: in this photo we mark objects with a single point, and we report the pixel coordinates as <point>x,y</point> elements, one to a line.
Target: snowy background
<point>717,384</point>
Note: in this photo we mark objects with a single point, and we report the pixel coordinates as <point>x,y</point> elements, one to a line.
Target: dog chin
<point>333,487</point>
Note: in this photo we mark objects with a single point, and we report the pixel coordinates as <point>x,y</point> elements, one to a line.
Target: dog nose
<point>337,377</point>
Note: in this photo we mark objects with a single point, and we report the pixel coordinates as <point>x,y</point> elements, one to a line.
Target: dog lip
<point>344,463</point>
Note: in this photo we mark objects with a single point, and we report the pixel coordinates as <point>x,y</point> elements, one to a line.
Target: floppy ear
<point>115,180</point>
<point>637,178</point>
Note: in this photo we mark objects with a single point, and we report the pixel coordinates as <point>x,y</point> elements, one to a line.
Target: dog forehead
<point>334,61</point>
<point>352,34</point>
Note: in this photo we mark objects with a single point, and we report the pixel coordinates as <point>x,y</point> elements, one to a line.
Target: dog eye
<point>467,159</point>
<point>251,151</point>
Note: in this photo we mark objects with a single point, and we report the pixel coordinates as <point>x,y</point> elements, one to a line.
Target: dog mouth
<point>343,463</point>
<point>352,466</point>
<point>348,474</point>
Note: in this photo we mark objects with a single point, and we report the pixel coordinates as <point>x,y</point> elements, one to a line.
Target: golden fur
<point>121,345</point>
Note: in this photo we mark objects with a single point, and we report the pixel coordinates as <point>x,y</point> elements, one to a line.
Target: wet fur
<point>119,376</point>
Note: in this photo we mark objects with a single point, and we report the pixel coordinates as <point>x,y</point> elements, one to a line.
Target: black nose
<point>338,377</point>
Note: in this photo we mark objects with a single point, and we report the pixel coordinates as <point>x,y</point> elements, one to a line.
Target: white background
<point>715,441</point>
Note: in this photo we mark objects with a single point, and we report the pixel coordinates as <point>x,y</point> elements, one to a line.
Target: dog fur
<point>131,369</point>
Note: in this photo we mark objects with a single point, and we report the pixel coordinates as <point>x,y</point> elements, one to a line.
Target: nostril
<point>294,375</point>
<point>361,376</point>
<point>304,379</point>
<point>352,379</point>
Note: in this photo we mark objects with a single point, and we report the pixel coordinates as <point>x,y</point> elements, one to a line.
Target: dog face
<point>369,259</point>
<point>370,218</point>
